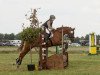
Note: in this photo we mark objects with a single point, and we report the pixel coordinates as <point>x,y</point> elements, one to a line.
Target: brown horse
<point>56,40</point>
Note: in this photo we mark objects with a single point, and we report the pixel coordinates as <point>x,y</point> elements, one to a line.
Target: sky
<point>83,15</point>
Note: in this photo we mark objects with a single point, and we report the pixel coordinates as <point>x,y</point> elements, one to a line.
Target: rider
<point>48,28</point>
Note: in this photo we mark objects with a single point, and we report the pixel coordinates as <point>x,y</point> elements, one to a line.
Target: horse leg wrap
<point>18,61</point>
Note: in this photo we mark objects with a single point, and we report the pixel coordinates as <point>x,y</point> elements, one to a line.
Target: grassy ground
<point>79,63</point>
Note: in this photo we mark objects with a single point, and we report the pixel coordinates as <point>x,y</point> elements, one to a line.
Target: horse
<point>56,40</point>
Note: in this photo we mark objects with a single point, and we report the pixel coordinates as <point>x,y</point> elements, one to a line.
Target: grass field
<point>79,63</point>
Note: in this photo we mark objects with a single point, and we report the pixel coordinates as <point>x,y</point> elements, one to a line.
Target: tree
<point>98,36</point>
<point>1,36</point>
<point>77,40</point>
<point>6,36</point>
<point>87,37</point>
<point>82,38</point>
<point>17,36</point>
<point>11,36</point>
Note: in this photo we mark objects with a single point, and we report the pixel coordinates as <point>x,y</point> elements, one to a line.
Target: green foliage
<point>30,34</point>
<point>9,36</point>
<point>17,36</point>
<point>77,39</point>
<point>87,37</point>
<point>6,37</point>
<point>1,36</point>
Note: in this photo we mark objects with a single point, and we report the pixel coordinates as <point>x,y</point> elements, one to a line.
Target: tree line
<point>85,39</point>
<point>11,36</point>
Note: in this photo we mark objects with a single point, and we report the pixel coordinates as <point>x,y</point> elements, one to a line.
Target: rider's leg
<point>46,37</point>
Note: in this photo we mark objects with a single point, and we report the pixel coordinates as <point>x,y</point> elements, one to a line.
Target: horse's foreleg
<point>25,50</point>
<point>21,46</point>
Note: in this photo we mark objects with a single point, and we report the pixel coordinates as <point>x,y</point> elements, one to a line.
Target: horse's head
<point>69,31</point>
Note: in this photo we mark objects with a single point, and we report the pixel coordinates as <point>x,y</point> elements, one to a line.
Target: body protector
<point>47,26</point>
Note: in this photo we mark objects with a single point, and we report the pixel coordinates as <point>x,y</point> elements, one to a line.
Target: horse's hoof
<point>18,61</point>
